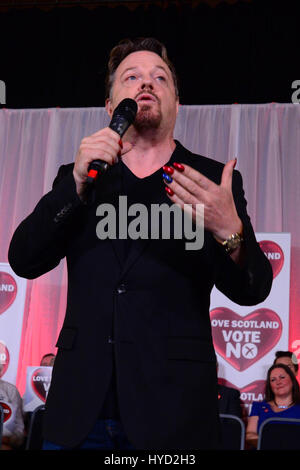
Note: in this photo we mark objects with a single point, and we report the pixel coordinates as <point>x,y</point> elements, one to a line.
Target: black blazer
<point>155,306</point>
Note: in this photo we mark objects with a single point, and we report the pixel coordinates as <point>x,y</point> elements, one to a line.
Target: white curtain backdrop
<point>34,143</point>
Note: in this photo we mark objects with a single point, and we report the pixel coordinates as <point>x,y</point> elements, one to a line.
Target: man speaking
<point>136,366</point>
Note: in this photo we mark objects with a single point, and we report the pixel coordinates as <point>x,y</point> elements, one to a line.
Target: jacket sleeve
<point>251,283</point>
<point>39,242</point>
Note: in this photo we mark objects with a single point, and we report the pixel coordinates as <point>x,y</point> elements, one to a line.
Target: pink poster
<point>12,301</point>
<point>38,380</point>
<point>246,338</point>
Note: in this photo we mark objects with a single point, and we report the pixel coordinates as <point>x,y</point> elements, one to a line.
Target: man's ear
<point>177,105</point>
<point>108,107</point>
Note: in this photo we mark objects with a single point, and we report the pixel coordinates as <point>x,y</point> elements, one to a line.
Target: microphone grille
<point>127,108</point>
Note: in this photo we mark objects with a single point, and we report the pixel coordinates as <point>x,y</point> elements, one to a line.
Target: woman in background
<point>282,400</point>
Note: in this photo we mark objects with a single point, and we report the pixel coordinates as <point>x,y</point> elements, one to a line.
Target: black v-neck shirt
<point>148,190</point>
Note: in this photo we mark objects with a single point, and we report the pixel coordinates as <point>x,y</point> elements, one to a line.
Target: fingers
<point>181,189</point>
<point>192,180</point>
<point>183,198</point>
<point>106,140</point>
<point>189,186</point>
<point>226,179</point>
<point>100,151</point>
<point>179,194</point>
<point>184,185</point>
<point>103,145</point>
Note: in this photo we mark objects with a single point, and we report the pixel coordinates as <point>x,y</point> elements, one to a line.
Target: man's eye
<point>131,78</point>
<point>161,78</point>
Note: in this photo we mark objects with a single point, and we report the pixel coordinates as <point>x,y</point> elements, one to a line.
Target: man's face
<point>287,361</point>
<point>146,78</point>
<point>48,361</point>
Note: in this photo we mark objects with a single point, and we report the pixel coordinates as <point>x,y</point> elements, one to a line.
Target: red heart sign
<point>274,254</point>
<point>6,411</point>
<point>242,341</point>
<point>40,382</point>
<point>4,358</point>
<point>8,291</point>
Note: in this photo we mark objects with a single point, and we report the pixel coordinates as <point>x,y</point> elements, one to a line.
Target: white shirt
<point>14,426</point>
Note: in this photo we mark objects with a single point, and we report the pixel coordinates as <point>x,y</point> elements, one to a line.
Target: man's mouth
<point>146,97</point>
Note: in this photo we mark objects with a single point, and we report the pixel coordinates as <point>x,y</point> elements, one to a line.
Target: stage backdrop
<point>247,337</point>
<point>34,143</point>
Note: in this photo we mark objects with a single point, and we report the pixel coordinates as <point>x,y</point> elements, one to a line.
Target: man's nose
<point>147,82</point>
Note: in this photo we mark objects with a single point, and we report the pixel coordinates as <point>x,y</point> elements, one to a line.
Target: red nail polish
<point>168,169</point>
<point>178,166</point>
<point>121,143</point>
<point>169,191</point>
<point>234,165</point>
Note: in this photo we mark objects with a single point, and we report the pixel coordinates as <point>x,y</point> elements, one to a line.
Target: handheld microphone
<point>122,118</point>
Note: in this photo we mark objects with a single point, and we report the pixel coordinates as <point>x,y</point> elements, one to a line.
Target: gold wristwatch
<point>233,242</point>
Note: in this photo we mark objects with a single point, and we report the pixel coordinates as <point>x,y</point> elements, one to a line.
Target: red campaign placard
<point>4,358</point>
<point>6,411</point>
<point>40,382</point>
<point>8,291</point>
<point>274,254</point>
<point>244,340</point>
<point>12,303</point>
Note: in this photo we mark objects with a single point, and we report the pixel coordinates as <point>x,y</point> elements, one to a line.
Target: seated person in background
<point>282,400</point>
<point>229,400</point>
<point>13,427</point>
<point>48,360</point>
<point>288,358</point>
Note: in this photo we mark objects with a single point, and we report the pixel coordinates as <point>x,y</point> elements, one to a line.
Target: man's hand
<point>104,145</point>
<point>189,186</point>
